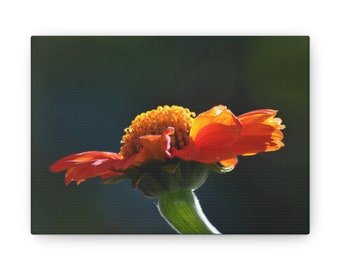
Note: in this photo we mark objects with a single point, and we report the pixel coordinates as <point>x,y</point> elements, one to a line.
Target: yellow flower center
<point>155,122</point>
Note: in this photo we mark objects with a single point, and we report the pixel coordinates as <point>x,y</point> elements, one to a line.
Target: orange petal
<point>88,169</point>
<point>217,136</point>
<point>212,144</point>
<point>66,162</point>
<point>82,166</point>
<point>260,133</point>
<point>203,155</point>
<point>264,116</point>
<point>154,147</point>
<point>218,114</point>
<point>189,152</point>
<point>229,162</point>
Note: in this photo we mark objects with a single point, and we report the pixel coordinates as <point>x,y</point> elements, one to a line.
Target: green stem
<point>183,212</point>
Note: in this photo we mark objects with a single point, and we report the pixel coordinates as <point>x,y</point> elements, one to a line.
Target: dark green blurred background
<point>86,90</point>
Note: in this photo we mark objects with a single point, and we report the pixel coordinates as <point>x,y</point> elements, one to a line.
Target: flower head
<point>169,143</point>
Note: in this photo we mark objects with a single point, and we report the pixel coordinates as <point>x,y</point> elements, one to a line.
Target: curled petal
<point>218,114</point>
<point>261,132</point>
<point>154,147</point>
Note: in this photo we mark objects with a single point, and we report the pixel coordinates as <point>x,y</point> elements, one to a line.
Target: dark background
<point>86,90</point>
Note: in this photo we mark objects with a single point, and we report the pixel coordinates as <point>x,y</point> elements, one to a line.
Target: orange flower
<point>169,133</point>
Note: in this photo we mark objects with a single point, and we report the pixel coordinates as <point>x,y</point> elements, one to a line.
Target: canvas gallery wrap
<point>170,135</point>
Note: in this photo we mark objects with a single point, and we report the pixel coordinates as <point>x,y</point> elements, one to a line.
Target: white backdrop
<point>22,19</point>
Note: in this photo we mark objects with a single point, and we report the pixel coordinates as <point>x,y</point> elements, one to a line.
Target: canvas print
<point>170,135</point>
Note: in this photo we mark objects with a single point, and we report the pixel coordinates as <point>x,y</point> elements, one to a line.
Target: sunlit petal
<point>261,132</point>
<point>212,144</point>
<point>218,114</point>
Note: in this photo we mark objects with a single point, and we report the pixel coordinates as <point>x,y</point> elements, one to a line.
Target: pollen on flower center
<point>155,122</point>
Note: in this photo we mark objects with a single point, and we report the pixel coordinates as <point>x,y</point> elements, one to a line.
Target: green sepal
<point>150,186</point>
<point>171,168</point>
<point>156,178</point>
